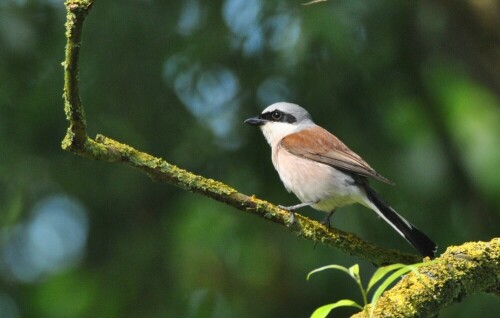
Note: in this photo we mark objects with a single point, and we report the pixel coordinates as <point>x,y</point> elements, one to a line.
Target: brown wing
<point>328,149</point>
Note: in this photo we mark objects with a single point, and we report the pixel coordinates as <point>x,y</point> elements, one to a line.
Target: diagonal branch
<point>460,272</point>
<point>105,149</point>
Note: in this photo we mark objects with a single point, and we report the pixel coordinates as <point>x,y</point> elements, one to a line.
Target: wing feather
<point>324,147</point>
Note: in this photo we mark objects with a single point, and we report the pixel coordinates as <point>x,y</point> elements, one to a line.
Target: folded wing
<point>324,147</point>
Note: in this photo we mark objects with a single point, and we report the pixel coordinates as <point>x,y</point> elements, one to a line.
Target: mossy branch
<point>461,271</point>
<point>105,149</point>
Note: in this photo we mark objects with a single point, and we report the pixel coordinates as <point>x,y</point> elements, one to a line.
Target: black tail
<point>417,238</point>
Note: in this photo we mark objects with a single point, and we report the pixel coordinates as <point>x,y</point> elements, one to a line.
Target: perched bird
<point>323,172</point>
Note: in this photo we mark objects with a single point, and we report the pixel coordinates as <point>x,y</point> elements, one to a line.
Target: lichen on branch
<point>105,149</point>
<point>459,272</point>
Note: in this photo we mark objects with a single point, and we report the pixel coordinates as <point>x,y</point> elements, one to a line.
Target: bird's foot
<point>326,221</point>
<point>289,209</point>
<point>295,207</point>
<point>284,207</point>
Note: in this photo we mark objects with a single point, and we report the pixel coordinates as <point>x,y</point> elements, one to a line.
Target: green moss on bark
<point>461,271</point>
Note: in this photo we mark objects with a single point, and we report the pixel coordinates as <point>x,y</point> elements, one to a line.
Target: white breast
<point>312,181</point>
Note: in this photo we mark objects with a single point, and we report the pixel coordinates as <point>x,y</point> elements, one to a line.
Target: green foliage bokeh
<point>177,79</point>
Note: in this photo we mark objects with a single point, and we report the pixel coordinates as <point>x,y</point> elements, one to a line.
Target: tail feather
<point>417,238</point>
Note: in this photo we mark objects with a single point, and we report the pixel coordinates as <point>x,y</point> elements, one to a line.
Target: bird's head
<point>280,120</point>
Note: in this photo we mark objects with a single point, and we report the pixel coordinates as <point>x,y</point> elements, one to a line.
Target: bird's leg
<point>295,207</point>
<point>326,221</point>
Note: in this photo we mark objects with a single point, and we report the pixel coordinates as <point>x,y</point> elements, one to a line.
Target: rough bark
<point>106,149</point>
<point>460,271</point>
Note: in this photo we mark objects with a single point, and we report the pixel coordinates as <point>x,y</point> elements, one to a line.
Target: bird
<point>324,173</point>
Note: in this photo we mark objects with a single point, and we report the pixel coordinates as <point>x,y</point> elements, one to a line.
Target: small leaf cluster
<point>396,270</point>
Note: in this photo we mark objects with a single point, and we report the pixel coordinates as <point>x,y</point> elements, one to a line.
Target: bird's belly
<point>316,182</point>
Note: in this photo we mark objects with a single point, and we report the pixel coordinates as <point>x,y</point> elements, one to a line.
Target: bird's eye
<point>276,115</point>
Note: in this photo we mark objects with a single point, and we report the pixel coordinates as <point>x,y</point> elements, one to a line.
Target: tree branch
<point>461,271</point>
<point>76,134</point>
<point>105,149</point>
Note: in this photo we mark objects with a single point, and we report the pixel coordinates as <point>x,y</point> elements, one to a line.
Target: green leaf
<point>354,272</point>
<point>338,267</point>
<point>381,272</point>
<point>323,311</point>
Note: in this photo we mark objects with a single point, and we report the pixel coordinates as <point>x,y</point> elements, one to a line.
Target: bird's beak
<point>255,121</point>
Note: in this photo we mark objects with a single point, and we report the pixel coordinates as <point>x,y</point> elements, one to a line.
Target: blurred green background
<point>411,86</point>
